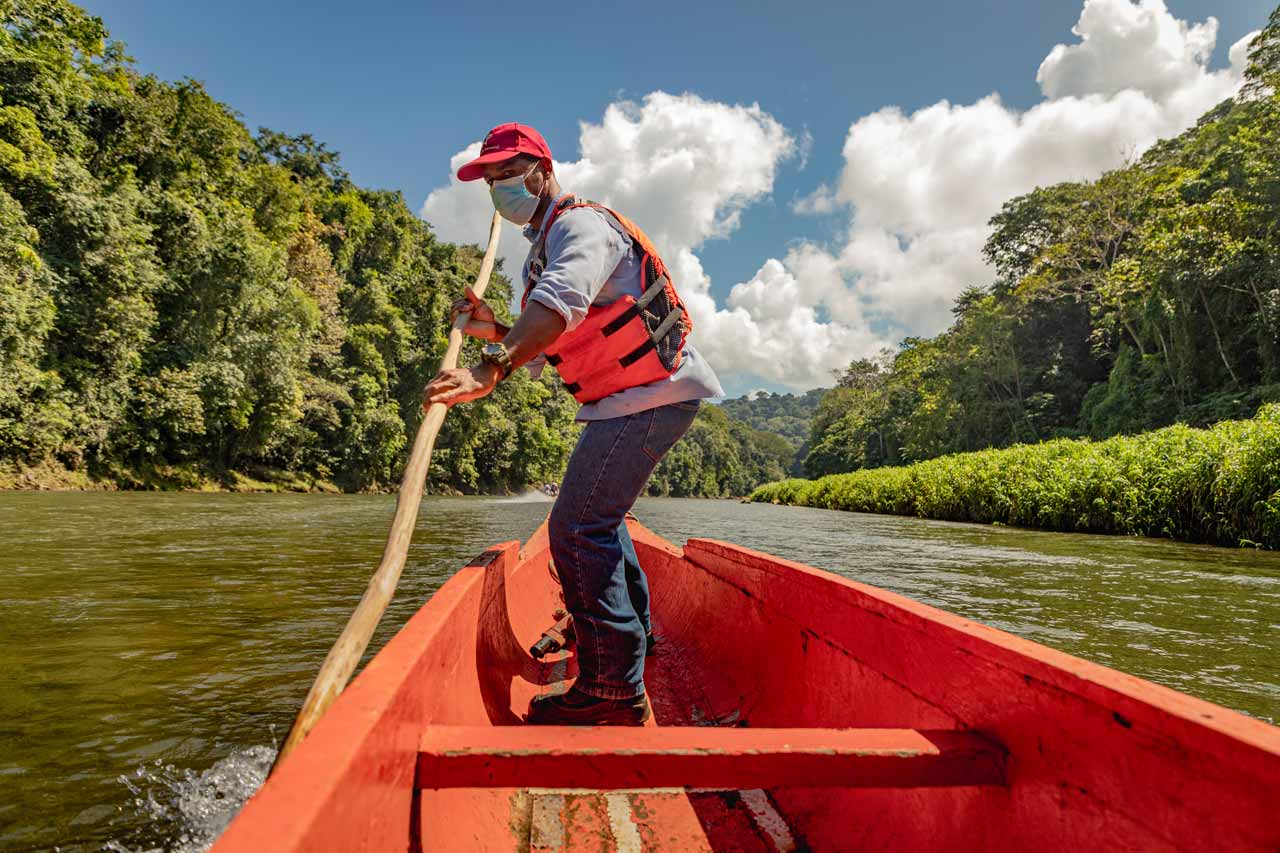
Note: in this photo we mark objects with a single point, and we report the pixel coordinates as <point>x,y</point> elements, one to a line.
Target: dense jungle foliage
<point>1219,485</point>
<point>1147,297</point>
<point>721,457</point>
<point>787,415</point>
<point>182,301</point>
<point>185,303</point>
<point>735,446</point>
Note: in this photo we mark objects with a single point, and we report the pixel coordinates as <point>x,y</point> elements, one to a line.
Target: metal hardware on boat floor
<point>553,639</point>
<point>696,757</point>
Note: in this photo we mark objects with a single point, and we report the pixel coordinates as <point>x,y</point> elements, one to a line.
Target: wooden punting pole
<point>341,662</point>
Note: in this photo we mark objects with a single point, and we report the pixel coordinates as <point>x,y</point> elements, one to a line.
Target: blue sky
<point>398,88</point>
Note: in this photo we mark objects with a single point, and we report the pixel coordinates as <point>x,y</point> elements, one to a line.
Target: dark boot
<point>579,709</point>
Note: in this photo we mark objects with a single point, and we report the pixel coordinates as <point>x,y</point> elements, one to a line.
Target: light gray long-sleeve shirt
<point>590,261</point>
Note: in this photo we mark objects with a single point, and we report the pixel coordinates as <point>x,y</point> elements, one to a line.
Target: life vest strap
<point>648,346</point>
<point>650,293</point>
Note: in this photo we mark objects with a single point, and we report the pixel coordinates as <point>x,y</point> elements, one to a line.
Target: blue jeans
<point>604,587</point>
<point>637,583</point>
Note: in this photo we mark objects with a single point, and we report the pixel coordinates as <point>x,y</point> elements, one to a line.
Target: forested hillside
<point>183,301</point>
<point>721,457</point>
<point>1147,297</point>
<point>787,415</point>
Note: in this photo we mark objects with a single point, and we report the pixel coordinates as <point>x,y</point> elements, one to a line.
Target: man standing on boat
<point>600,305</point>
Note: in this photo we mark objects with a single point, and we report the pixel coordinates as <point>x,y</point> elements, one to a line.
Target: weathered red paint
<point>752,643</point>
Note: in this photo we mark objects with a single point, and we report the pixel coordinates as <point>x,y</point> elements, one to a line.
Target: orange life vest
<point>624,344</point>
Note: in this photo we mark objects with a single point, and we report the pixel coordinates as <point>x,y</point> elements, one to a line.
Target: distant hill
<point>785,415</point>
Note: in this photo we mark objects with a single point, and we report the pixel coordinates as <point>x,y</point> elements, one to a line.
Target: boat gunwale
<point>1056,668</point>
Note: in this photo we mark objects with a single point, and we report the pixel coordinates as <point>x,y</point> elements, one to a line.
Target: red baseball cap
<point>504,142</point>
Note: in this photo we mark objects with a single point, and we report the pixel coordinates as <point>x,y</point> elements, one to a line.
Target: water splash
<point>187,810</point>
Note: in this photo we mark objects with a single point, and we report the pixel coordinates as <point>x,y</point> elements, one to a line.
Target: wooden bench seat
<point>607,758</point>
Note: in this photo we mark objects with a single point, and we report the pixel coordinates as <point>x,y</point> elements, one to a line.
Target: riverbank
<point>1219,485</point>
<point>51,476</point>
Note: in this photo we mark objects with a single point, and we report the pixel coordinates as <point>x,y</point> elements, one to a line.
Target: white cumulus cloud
<point>920,187</point>
<point>684,168</point>
<point>1128,46</point>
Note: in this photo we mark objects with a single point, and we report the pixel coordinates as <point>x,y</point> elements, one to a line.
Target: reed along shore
<point>1219,485</point>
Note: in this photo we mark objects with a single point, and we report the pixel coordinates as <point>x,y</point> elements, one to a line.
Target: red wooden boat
<point>793,710</point>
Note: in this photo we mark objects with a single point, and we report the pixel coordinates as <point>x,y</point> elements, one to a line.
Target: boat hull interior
<point>1022,747</point>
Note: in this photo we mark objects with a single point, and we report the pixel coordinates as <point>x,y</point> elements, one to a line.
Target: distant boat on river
<point>793,710</point>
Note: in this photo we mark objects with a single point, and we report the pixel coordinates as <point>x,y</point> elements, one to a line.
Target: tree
<point>1262,77</point>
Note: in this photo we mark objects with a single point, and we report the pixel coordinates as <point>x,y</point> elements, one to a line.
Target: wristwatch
<point>497,355</point>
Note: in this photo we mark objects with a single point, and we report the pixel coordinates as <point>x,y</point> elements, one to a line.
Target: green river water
<point>155,646</point>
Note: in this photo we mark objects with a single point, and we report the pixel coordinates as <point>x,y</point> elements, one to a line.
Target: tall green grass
<point>1218,485</point>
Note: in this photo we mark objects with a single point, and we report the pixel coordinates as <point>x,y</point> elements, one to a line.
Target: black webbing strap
<point>625,317</point>
<point>540,255</point>
<point>572,387</point>
<point>658,334</point>
<point>554,360</point>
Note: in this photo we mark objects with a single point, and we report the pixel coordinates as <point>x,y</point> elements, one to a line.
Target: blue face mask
<point>512,198</point>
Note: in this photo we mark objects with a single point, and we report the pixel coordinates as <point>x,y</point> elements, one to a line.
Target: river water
<point>155,646</point>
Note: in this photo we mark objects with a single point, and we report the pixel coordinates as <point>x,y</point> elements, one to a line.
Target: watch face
<point>497,355</point>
